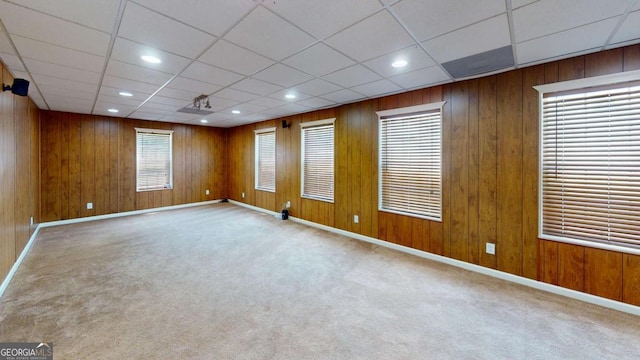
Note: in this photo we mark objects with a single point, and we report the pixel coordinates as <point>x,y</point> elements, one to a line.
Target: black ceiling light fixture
<point>20,87</point>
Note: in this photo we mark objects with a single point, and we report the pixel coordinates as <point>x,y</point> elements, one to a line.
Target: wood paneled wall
<point>87,158</point>
<point>490,177</point>
<point>19,173</point>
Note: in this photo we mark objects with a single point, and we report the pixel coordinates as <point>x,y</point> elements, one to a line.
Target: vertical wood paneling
<point>488,147</point>
<point>631,279</point>
<point>603,273</point>
<point>631,58</point>
<point>341,169</point>
<point>19,173</point>
<point>458,161</point>
<point>605,62</point>
<point>571,266</point>
<point>530,155</point>
<point>509,172</point>
<point>474,244</point>
<point>446,174</point>
<point>550,258</point>
<point>93,159</point>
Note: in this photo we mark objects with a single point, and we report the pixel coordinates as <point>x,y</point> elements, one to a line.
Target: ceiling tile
<point>232,57</point>
<point>316,103</point>
<point>12,61</point>
<point>308,60</point>
<point>218,103</point>
<point>210,74</point>
<point>414,55</point>
<point>73,108</point>
<point>100,15</point>
<point>282,75</point>
<point>137,73</point>
<point>129,85</point>
<point>293,108</point>
<point>112,91</point>
<point>430,18</point>
<point>187,96</point>
<point>58,102</point>
<point>199,87</point>
<point>520,3</point>
<point>547,17</point>
<point>352,76</point>
<point>268,102</point>
<point>255,86</point>
<point>131,52</point>
<point>158,31</point>
<point>160,107</point>
<point>176,103</point>
<point>58,55</point>
<point>248,108</point>
<point>566,42</point>
<point>268,35</point>
<point>65,84</point>
<point>421,78</point>
<point>235,95</point>
<point>144,115</point>
<point>317,87</point>
<point>629,30</point>
<point>375,36</point>
<point>377,88</point>
<point>20,21</point>
<point>483,36</point>
<point>151,108</point>
<point>280,95</point>
<point>49,90</point>
<point>329,16</point>
<point>101,108</point>
<point>5,44</point>
<point>212,16</point>
<point>343,96</point>
<point>176,116</point>
<point>65,72</point>
<point>118,100</point>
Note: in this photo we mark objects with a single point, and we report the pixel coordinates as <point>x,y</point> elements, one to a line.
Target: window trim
<point>309,124</point>
<point>578,84</point>
<point>256,154</point>
<point>156,131</point>
<point>400,111</point>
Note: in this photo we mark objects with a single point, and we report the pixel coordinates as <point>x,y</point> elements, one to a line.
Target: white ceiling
<point>248,54</point>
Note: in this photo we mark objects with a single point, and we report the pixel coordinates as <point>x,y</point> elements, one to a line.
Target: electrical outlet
<point>89,206</point>
<point>356,219</point>
<point>243,195</point>
<point>206,192</point>
<point>491,248</point>
<point>288,204</point>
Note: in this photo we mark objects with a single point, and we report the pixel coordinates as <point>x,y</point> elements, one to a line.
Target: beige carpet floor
<point>224,282</point>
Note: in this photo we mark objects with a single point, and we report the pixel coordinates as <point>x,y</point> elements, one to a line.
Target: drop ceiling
<point>247,55</point>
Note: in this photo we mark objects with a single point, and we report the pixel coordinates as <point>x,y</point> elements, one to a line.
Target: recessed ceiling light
<point>290,96</point>
<point>235,111</point>
<point>151,59</point>
<point>124,93</point>
<point>399,63</point>
<point>204,121</point>
<point>112,110</point>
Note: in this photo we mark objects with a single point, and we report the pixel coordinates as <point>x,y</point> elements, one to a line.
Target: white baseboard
<point>126,213</point>
<point>16,264</point>
<point>588,298</point>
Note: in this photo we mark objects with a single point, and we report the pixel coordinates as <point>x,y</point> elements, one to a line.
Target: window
<point>266,159</point>
<point>153,159</point>
<point>410,161</point>
<point>318,159</point>
<point>590,162</point>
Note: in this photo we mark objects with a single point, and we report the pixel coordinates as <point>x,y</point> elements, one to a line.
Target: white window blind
<point>410,161</point>
<point>318,159</point>
<point>266,159</point>
<point>590,165</point>
<point>153,159</point>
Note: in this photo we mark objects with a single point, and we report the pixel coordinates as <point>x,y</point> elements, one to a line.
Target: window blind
<point>591,165</point>
<point>153,160</point>
<point>318,162</point>
<point>410,164</point>
<point>266,160</point>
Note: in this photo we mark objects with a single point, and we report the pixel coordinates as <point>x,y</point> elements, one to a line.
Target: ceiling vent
<point>488,61</point>
<point>198,102</point>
